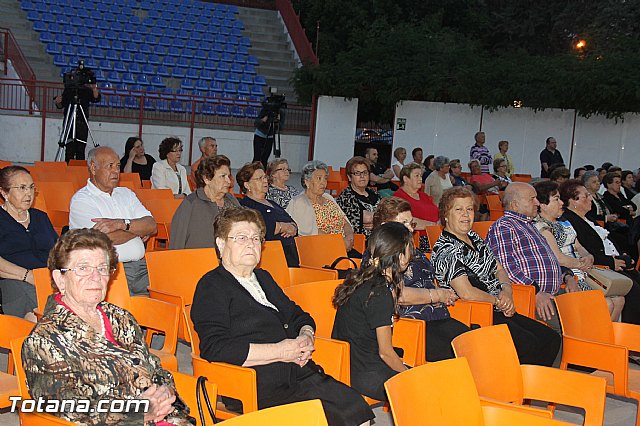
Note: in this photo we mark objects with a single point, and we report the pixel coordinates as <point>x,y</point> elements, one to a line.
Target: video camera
<point>79,77</point>
<point>274,104</point>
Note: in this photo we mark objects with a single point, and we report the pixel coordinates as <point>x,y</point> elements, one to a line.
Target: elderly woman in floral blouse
<point>358,201</point>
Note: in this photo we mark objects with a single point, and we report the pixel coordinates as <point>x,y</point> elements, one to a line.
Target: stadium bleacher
<point>137,46</point>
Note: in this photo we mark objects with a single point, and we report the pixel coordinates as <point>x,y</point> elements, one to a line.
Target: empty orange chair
<point>74,162</point>
<point>591,339</point>
<point>455,403</point>
<point>305,413</point>
<point>79,174</point>
<point>57,195</point>
<point>490,346</point>
<point>521,177</point>
<point>162,211</point>
<point>482,228</point>
<point>5,163</point>
<point>335,183</point>
<point>496,210</point>
<point>134,178</point>
<point>30,419</point>
<point>433,233</point>
<point>174,284</point>
<point>153,194</point>
<point>524,299</point>
<point>11,328</point>
<point>321,250</point>
<point>360,242</point>
<point>274,261</point>
<point>471,312</point>
<point>315,299</point>
<point>51,166</point>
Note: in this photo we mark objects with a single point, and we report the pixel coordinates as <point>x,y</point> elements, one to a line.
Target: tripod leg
<point>67,124</point>
<point>86,122</point>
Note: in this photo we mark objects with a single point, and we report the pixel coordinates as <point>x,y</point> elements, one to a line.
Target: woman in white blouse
<point>169,173</point>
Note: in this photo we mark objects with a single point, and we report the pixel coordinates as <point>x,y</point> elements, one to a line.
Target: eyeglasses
<point>360,174</point>
<point>283,170</point>
<point>87,270</point>
<point>263,177</point>
<point>177,150</point>
<point>25,188</point>
<point>245,240</point>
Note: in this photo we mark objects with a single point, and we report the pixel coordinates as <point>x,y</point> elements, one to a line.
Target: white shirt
<point>163,176</point>
<point>91,203</point>
<point>252,285</point>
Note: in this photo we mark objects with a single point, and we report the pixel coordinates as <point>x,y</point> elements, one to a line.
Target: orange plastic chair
<point>162,211</point>
<point>79,175</point>
<point>42,279</point>
<point>321,250</point>
<point>54,166</point>
<point>333,356</point>
<point>5,163</point>
<point>145,195</point>
<point>174,284</point>
<point>521,177</point>
<point>335,183</point>
<point>30,419</point>
<point>11,328</point>
<point>360,242</point>
<point>82,163</point>
<point>496,210</point>
<point>57,195</point>
<point>192,182</point>
<point>598,342</point>
<point>146,184</point>
<point>186,387</point>
<point>159,317</point>
<point>274,261</point>
<point>131,177</point>
<point>433,233</point>
<point>482,228</point>
<point>305,413</point>
<point>471,312</point>
<point>456,403</point>
<point>524,299</point>
<point>490,346</point>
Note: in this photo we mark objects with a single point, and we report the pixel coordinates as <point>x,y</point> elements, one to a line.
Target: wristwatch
<point>127,224</point>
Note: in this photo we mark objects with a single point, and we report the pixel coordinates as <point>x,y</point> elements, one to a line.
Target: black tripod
<point>274,129</point>
<point>68,134</point>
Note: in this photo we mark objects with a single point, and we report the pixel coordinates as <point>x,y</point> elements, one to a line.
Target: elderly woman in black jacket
<point>242,317</point>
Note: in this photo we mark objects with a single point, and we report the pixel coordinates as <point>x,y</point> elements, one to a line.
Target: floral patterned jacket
<point>66,359</point>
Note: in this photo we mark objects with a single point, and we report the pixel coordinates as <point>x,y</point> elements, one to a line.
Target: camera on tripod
<point>274,104</point>
<point>79,77</point>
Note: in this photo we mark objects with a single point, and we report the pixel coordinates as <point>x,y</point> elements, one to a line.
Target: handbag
<point>202,389</point>
<point>612,283</point>
<point>342,273</point>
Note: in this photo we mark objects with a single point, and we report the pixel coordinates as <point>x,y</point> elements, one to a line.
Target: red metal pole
<point>6,52</point>
<point>141,117</point>
<point>573,136</point>
<point>193,122</point>
<point>44,121</point>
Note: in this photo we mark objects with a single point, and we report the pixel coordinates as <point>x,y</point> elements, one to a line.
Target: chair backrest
<point>57,195</point>
<point>306,413</point>
<point>482,228</point>
<point>191,331</point>
<point>360,242</point>
<point>496,210</point>
<point>5,163</point>
<point>485,348</point>
<point>157,316</point>
<point>274,261</point>
<point>42,279</point>
<point>186,387</point>
<point>524,299</point>
<point>334,358</point>
<point>320,250</point>
<point>315,299</point>
<point>456,390</point>
<point>409,334</point>
<point>145,195</point>
<point>30,419</point>
<point>82,163</point>
<point>178,271</point>
<point>12,328</point>
<point>131,177</point>
<point>471,312</point>
<point>574,309</point>
<point>56,166</point>
<point>433,233</point>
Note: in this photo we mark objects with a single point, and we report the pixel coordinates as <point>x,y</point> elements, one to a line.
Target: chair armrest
<point>305,275</point>
<point>490,402</point>
<point>410,335</point>
<point>334,358</point>
<point>627,335</point>
<point>603,356</point>
<point>507,416</point>
<point>559,386</point>
<point>165,296</point>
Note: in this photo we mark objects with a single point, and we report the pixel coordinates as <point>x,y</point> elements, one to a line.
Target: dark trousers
<point>440,333</point>
<point>75,148</point>
<point>631,310</point>
<point>262,149</point>
<point>535,343</point>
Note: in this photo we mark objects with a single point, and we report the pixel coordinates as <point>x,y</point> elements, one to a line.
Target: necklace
<point>26,219</point>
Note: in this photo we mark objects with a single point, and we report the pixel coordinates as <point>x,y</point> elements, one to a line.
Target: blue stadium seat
<point>27,5</point>
<point>237,111</point>
<point>103,25</point>
<point>105,65</point>
<point>209,64</point>
<point>76,21</point>
<point>200,54</point>
<point>217,47</point>
<point>182,62</point>
<point>119,66</point>
<point>82,52</point>
<point>191,74</point>
<point>187,53</point>
<point>233,40</point>
<point>230,88</point>
<point>221,39</point>
<point>233,78</point>
<point>47,37</point>
<point>182,34</point>
<point>252,60</point>
<point>82,12</point>
<point>255,101</point>
<point>236,68</point>
<point>112,55</point>
<point>90,63</point>
<point>207,36</point>
<point>142,59</point>
<point>131,46</point>
<point>236,32</point>
<point>157,32</point>
<point>104,44</point>
<point>65,29</point>
<point>132,102</point>
<point>177,106</point>
<point>126,56</point>
<point>90,42</point>
<point>206,74</point>
<point>99,75</point>
<point>247,79</point>
<point>128,78</point>
<point>202,85</point>
<point>187,84</point>
<point>96,33</point>
<point>143,80</point>
<point>220,76</point>
<point>199,28</point>
<point>222,110</point>
<point>223,66</point>
<point>156,81</point>
<point>257,90</point>
<point>137,38</point>
<point>179,43</point>
<point>242,50</point>
<point>67,50</point>
<point>251,112</point>
<point>117,45</point>
<point>229,48</point>
<point>75,40</point>
<point>259,80</point>
<point>240,58</point>
<point>134,68</point>
<point>53,28</point>
<point>238,24</point>
<point>54,49</point>
<point>197,63</point>
<point>224,31</point>
<point>110,35</point>
<point>163,105</point>
<point>160,50</point>
<point>169,61</point>
<point>48,17</point>
<point>173,51</point>
<point>163,71</point>
<point>146,49</point>
<point>41,7</point>
<point>150,39</point>
<point>123,36</point>
<point>152,59</point>
<point>207,109</point>
<point>114,77</point>
<point>34,16</point>
<point>60,60</point>
<point>62,20</point>
<point>244,89</point>
<point>227,57</point>
<point>178,72</point>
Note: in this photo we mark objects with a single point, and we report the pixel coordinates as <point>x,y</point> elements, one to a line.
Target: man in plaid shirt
<point>524,252</point>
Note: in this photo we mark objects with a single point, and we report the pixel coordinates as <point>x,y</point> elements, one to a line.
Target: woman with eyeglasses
<point>243,317</point>
<point>279,192</point>
<point>168,172</point>
<point>191,223</point>
<point>279,226</point>
<point>358,201</point>
<point>86,348</point>
<point>26,236</point>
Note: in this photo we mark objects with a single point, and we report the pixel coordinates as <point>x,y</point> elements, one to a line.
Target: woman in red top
<point>424,211</point>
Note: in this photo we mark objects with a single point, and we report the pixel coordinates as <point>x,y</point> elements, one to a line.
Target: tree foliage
<point>481,52</point>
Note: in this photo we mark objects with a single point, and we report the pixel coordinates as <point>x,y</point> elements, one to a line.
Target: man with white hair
<point>208,147</point>
<point>116,211</point>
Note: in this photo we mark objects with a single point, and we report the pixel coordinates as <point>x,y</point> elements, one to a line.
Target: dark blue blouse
<point>27,247</point>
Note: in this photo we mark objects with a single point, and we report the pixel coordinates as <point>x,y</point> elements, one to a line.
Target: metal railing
<point>294,27</point>
<point>11,52</point>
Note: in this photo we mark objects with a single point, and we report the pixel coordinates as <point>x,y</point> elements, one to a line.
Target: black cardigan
<point>228,319</point>
<point>590,240</point>
<point>616,205</point>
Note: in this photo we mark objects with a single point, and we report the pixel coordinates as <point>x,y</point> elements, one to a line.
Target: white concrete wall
<point>448,129</point>
<point>335,130</point>
<point>21,138</point>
